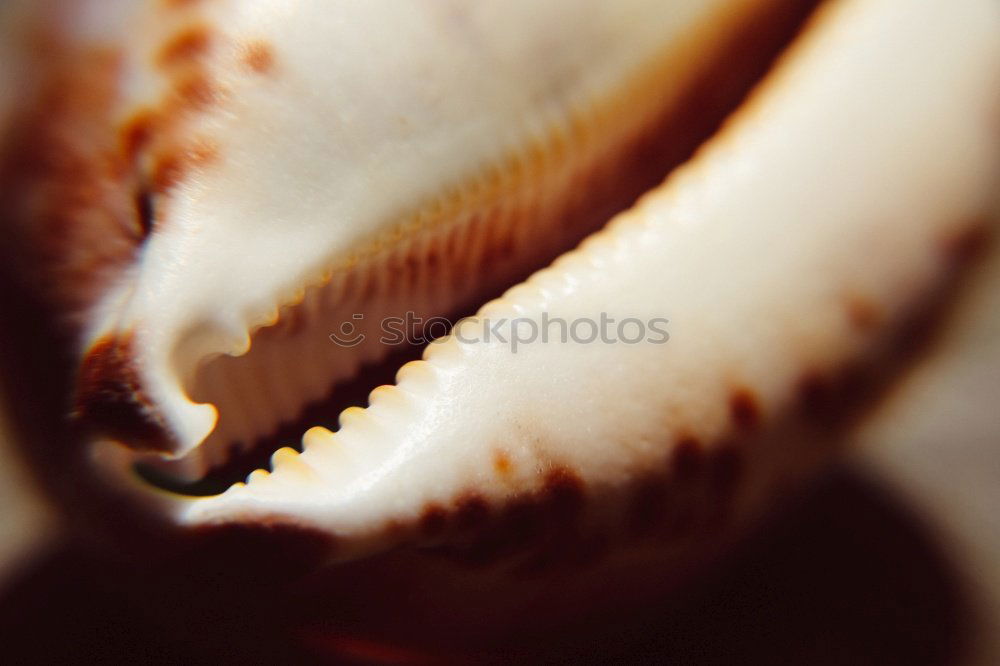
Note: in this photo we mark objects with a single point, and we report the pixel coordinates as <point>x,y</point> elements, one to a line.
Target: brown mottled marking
<point>171,167</point>
<point>968,243</point>
<point>189,45</point>
<point>179,4</point>
<point>518,524</point>
<point>197,91</point>
<point>202,152</point>
<point>168,171</point>
<point>542,520</point>
<point>69,223</point>
<point>560,544</point>
<point>110,395</point>
<point>259,57</point>
<point>862,313</point>
<point>502,464</point>
<point>743,409</point>
<point>138,132</point>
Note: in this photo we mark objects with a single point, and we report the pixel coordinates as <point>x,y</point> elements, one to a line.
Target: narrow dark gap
<point>681,130</point>
<point>144,210</point>
<point>323,412</point>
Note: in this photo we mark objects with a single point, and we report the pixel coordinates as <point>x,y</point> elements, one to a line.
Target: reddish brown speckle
<point>502,464</point>
<point>180,4</point>
<point>967,244</point>
<point>168,171</point>
<point>197,91</point>
<point>202,152</point>
<point>743,409</point>
<point>172,167</point>
<point>187,46</point>
<point>516,526</point>
<point>543,520</point>
<point>862,313</point>
<point>259,57</point>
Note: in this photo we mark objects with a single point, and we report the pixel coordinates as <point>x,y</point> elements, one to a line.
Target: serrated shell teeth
<point>317,436</point>
<point>287,460</point>
<point>257,476</point>
<point>415,374</point>
<point>352,415</point>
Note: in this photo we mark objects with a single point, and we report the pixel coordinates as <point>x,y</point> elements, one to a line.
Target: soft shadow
<point>848,575</point>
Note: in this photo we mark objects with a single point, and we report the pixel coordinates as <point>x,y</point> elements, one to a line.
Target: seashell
<point>259,186</point>
<point>489,148</point>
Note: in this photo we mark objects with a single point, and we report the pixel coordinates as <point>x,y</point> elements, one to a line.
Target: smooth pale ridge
<point>327,150</point>
<point>874,142</point>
